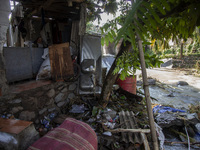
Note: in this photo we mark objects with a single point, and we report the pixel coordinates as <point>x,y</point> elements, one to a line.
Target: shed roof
<point>56,9</point>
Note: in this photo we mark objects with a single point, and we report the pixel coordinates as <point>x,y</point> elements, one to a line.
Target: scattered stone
<point>51,93</point>
<point>71,96</point>
<point>139,83</point>
<point>50,102</point>
<point>59,97</point>
<point>15,101</point>
<point>16,109</point>
<point>60,88</point>
<point>42,111</point>
<point>193,118</point>
<point>67,100</point>
<point>27,115</point>
<point>198,127</point>
<point>72,87</point>
<point>182,83</point>
<point>64,90</point>
<point>51,109</point>
<point>151,81</point>
<point>171,95</point>
<point>60,104</point>
<point>30,104</point>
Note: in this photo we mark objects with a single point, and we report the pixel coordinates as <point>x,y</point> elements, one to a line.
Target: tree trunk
<point>181,50</point>
<point>110,78</point>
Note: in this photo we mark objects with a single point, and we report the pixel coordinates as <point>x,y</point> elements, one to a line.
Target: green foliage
<point>152,19</point>
<point>197,66</point>
<point>129,62</point>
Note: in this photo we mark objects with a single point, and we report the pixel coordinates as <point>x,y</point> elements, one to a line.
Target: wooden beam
<point>45,5</point>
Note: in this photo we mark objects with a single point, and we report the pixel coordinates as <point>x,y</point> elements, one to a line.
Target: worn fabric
<point>70,135</point>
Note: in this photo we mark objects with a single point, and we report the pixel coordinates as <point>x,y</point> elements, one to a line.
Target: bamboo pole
<point>130,130</point>
<point>147,95</point>
<point>146,89</point>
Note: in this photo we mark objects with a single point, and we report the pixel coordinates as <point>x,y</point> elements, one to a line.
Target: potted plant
<point>126,66</point>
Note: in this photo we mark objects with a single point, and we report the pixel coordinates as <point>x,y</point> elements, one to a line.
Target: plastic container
<point>129,84</point>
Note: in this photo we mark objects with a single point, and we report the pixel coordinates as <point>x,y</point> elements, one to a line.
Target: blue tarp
<point>162,109</point>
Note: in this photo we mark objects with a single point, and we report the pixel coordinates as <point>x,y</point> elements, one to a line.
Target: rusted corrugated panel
<point>61,62</point>
<point>128,120</point>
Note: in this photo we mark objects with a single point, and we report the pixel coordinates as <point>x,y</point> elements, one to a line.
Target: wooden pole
<point>146,89</point>
<point>147,95</point>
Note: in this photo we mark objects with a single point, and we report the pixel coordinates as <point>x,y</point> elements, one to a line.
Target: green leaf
<point>102,41</point>
<point>165,4</point>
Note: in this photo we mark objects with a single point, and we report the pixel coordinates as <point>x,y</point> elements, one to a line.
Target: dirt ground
<point>172,76</point>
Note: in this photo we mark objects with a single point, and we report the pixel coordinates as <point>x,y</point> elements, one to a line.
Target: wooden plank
<point>61,62</point>
<point>13,126</point>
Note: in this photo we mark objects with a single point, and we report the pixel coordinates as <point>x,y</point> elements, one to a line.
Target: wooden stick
<point>181,142</point>
<point>131,130</point>
<point>144,139</point>
<point>146,89</point>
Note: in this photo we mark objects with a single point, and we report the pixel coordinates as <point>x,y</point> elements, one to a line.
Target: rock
<point>42,111</point>
<point>198,127</point>
<point>51,93</point>
<point>67,100</point>
<point>72,87</point>
<point>15,101</point>
<point>27,115</point>
<point>182,83</point>
<point>171,95</point>
<point>64,90</point>
<point>167,63</point>
<point>50,102</point>
<point>151,81</point>
<point>193,118</point>
<point>51,109</point>
<point>59,97</point>
<point>166,119</point>
<point>71,96</point>
<point>60,104</point>
<point>139,83</point>
<point>16,109</point>
<point>30,104</point>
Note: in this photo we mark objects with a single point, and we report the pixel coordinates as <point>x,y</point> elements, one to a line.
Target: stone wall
<point>186,62</point>
<point>4,21</point>
<point>35,104</point>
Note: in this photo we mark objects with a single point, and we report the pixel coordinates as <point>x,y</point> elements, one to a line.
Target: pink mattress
<point>70,135</point>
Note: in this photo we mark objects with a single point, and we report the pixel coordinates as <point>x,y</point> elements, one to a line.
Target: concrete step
<point>16,134</point>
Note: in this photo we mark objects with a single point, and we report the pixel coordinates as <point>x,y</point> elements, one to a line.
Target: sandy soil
<point>172,76</point>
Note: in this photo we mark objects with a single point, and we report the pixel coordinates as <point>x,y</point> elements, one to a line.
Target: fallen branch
<point>131,130</point>
<point>181,143</point>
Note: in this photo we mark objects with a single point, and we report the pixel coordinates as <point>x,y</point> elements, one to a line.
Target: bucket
<point>129,84</point>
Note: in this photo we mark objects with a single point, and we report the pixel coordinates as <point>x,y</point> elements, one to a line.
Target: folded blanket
<point>70,135</point>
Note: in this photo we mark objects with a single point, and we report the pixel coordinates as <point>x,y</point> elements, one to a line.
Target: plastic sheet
<point>78,109</point>
<point>162,109</point>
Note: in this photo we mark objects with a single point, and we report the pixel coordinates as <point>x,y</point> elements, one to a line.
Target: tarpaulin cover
<point>70,135</point>
<point>162,109</point>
